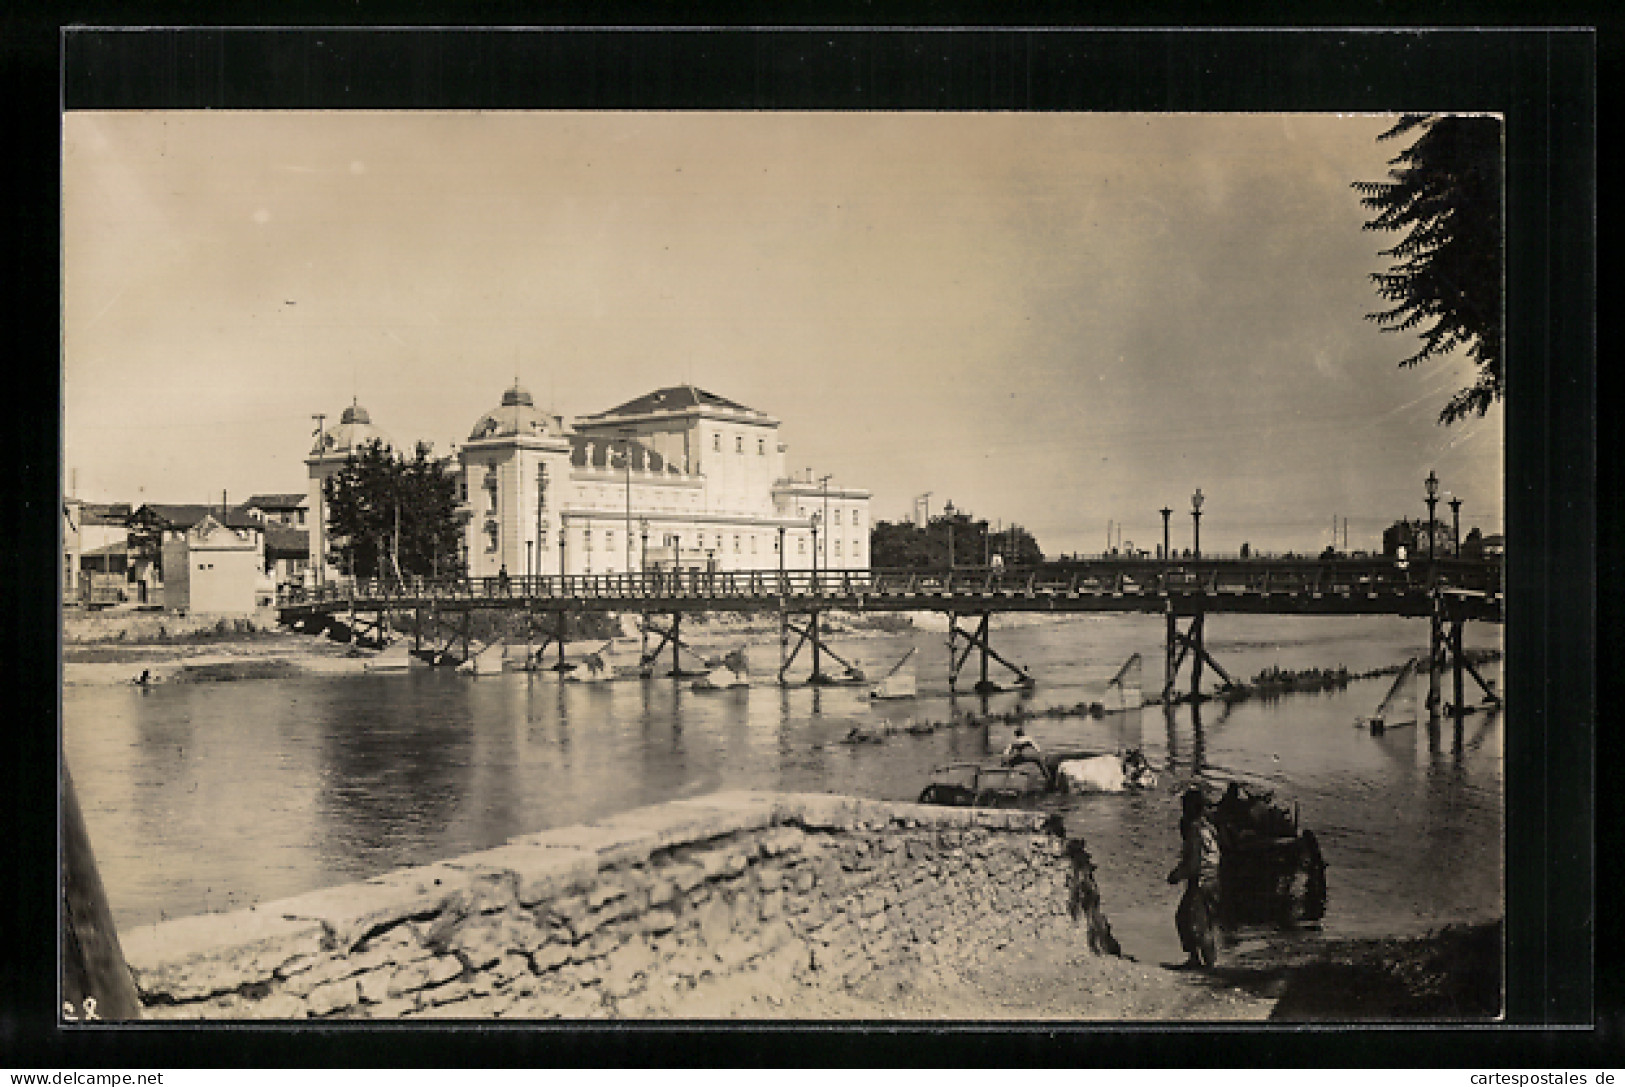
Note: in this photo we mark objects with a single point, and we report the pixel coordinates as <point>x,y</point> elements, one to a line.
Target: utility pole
<point>318,534</point>
<point>824,482</point>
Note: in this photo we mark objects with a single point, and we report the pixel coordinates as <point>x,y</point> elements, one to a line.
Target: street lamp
<point>563,534</point>
<point>1455,527</point>
<point>1166,513</point>
<point>1432,484</point>
<point>643,556</point>
<point>1196,521</point>
<point>781,554</point>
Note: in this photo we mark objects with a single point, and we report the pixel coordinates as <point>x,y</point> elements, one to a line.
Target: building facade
<point>679,478</point>
<point>215,568</point>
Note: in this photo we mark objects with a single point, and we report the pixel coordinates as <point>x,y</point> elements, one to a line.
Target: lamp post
<point>1432,485</point>
<point>1166,513</point>
<point>781,554</point>
<point>563,534</point>
<point>643,533</point>
<point>1455,527</point>
<point>626,449</point>
<point>823,481</point>
<point>815,520</point>
<point>1196,522</point>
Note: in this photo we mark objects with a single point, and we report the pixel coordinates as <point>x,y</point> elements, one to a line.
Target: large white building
<point>677,477</point>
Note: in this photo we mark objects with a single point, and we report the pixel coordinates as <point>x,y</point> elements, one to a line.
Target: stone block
<point>446,994</point>
<point>486,940</point>
<point>192,958</point>
<point>685,877</point>
<point>549,957</point>
<point>374,986</point>
<point>332,997</point>
<point>278,1005</point>
<point>354,911</point>
<point>658,921</point>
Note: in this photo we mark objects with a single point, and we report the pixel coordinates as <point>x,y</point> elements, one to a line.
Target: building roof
<point>284,542</point>
<point>516,416</point>
<point>277,501</point>
<point>587,451</point>
<point>184,516</point>
<point>354,430</point>
<point>676,399</point>
<point>104,513</point>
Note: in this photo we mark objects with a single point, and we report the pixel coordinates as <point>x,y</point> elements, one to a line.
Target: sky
<point>1063,320</point>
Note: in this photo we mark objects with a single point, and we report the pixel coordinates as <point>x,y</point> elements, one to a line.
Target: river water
<point>216,796</point>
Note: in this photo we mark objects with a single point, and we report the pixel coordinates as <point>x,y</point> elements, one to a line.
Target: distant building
<point>290,510</point>
<point>159,530</point>
<point>679,477</point>
<point>334,446</point>
<point>215,567</point>
<point>1413,536</point>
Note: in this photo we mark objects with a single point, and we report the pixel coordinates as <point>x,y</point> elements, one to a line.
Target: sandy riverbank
<point>1449,975</point>
<point>115,647</point>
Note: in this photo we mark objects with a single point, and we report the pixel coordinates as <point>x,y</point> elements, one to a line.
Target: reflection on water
<point>217,795</point>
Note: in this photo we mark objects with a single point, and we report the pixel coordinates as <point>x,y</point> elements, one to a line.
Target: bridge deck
<point>1278,587</point>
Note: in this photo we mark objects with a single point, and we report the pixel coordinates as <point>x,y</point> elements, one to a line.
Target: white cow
<point>1106,773</point>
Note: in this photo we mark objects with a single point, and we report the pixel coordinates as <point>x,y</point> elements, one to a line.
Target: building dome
<point>517,416</point>
<point>353,431</point>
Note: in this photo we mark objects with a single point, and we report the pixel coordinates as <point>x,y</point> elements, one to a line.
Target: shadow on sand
<point>1453,974</point>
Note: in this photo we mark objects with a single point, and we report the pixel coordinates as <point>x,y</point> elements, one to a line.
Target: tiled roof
<point>673,398</point>
<point>277,501</point>
<point>105,513</point>
<point>184,516</point>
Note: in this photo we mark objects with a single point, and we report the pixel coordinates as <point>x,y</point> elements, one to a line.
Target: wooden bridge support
<point>978,639</point>
<point>1190,641</point>
<point>812,635</point>
<point>671,636</point>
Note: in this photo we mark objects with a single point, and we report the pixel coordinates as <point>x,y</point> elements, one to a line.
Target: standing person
<point>1199,868</point>
<point>503,581</point>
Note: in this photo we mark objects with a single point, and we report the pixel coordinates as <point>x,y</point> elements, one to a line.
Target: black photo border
<point>1543,80</point>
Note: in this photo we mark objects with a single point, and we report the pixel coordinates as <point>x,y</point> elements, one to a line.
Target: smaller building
<point>216,568</point>
<point>289,510</point>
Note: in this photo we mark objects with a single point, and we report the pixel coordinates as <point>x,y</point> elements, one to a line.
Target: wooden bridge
<point>1448,592</point>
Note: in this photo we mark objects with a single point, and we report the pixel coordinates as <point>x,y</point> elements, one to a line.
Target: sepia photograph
<point>658,566</point>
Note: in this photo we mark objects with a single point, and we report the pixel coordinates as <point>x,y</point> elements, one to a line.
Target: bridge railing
<point>1114,577</point>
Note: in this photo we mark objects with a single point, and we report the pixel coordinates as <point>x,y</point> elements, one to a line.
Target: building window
<point>491,534</point>
<point>753,543</point>
<point>736,543</point>
<point>775,545</point>
<point>837,515</point>
<point>739,443</point>
<point>857,552</point>
<point>837,548</point>
<point>609,539</point>
<point>586,539</point>
<point>716,443</point>
<point>761,447</point>
<point>801,545</point>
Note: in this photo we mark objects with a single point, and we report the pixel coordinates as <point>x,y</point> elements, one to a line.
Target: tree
<point>904,545</point>
<point>380,505</point>
<point>1445,194</point>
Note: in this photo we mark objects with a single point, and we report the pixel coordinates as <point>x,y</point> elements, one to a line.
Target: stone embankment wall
<point>619,917</point>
